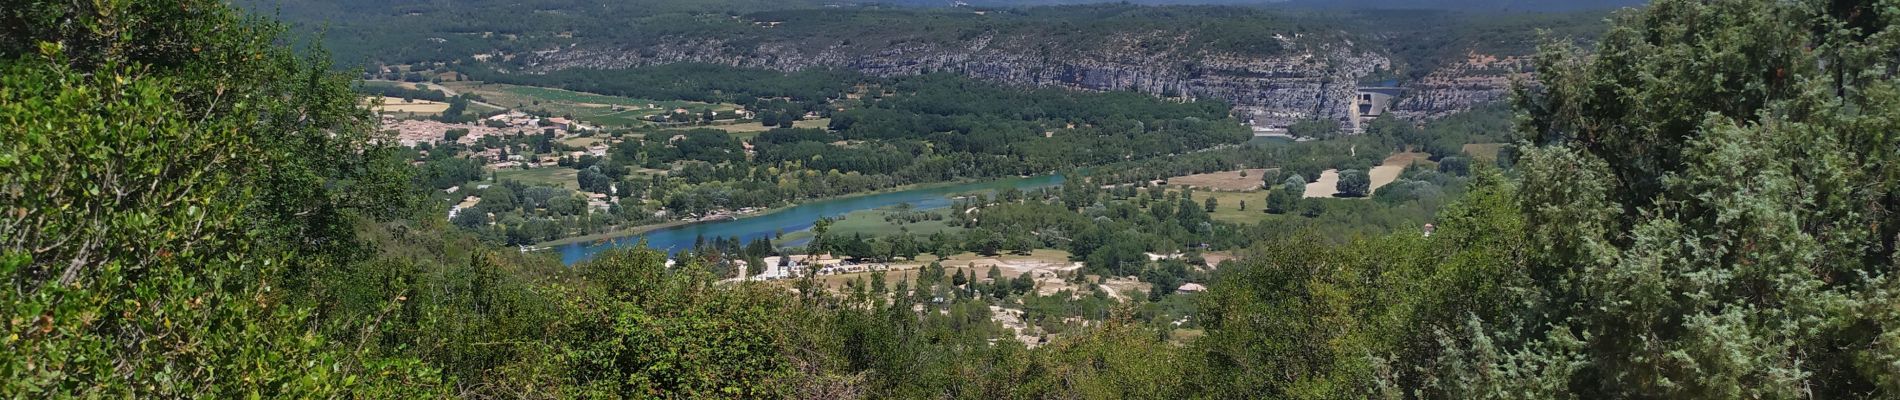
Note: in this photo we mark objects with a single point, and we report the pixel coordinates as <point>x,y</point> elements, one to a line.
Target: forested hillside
<point>1701,206</point>
<point>1277,66</point>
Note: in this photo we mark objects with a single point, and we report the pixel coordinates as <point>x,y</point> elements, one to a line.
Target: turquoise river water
<point>799,217</point>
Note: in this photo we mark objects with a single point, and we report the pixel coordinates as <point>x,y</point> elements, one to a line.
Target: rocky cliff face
<point>1311,81</point>
<point>1480,79</point>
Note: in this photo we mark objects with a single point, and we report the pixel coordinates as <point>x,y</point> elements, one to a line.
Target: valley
<point>992,199</point>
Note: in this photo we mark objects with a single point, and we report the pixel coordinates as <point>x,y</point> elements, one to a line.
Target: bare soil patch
<point>1326,186</point>
<point>1242,180</point>
<point>1389,171</point>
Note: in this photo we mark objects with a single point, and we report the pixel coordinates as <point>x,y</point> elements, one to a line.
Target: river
<point>799,217</point>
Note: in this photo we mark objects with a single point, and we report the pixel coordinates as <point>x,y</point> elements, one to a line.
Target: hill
<point>1276,66</point>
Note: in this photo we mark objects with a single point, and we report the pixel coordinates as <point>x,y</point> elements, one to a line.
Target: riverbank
<point>615,234</point>
<point>620,233</point>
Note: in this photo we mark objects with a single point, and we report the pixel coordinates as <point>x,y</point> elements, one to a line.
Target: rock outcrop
<point>1308,81</point>
<point>1478,80</point>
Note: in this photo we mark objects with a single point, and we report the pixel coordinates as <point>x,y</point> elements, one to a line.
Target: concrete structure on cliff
<point>1369,103</point>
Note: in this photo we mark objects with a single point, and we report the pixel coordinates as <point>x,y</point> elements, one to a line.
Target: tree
<point>1287,197</point>
<point>592,180</point>
<point>1455,165</point>
<point>1210,205</point>
<point>906,246</point>
<point>983,241</point>
<point>941,245</point>
<point>1354,183</point>
<point>1022,284</point>
<point>1269,178</point>
<point>1642,176</point>
<point>175,172</point>
<point>471,219</point>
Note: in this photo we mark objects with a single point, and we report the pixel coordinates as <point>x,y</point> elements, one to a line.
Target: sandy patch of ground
<point>1123,288</point>
<point>1389,171</point>
<point>1242,180</point>
<point>1215,258</point>
<point>1012,319</point>
<point>1326,186</point>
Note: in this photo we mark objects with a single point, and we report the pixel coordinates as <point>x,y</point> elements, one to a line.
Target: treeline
<point>401,91</point>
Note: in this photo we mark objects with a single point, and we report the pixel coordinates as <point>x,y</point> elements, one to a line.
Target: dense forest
<point>1699,206</point>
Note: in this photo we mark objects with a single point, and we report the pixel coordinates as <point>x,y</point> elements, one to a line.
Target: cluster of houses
<point>517,119</point>
<point>794,266</point>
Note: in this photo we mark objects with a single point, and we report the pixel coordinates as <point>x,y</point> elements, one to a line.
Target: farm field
<point>1227,205</point>
<point>548,176</point>
<point>1389,171</point>
<point>1242,180</point>
<point>397,105</point>
<point>1483,151</point>
<point>584,141</point>
<point>751,129</point>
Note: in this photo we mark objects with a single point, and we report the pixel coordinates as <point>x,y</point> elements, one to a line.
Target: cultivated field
<point>1227,205</point>
<point>1483,151</point>
<point>752,128</point>
<point>1243,180</point>
<point>584,141</point>
<point>397,105</point>
<point>545,176</point>
<point>1389,170</point>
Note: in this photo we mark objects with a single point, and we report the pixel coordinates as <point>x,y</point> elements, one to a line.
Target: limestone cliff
<point>1307,81</point>
<point>1480,79</point>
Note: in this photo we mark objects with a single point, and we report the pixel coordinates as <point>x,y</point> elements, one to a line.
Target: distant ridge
<point>1456,5</point>
<point>1471,5</point>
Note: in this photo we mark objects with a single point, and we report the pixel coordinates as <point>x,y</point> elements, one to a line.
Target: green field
<point>584,141</point>
<point>549,176</point>
<point>570,96</point>
<point>1227,207</point>
<point>1484,151</point>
